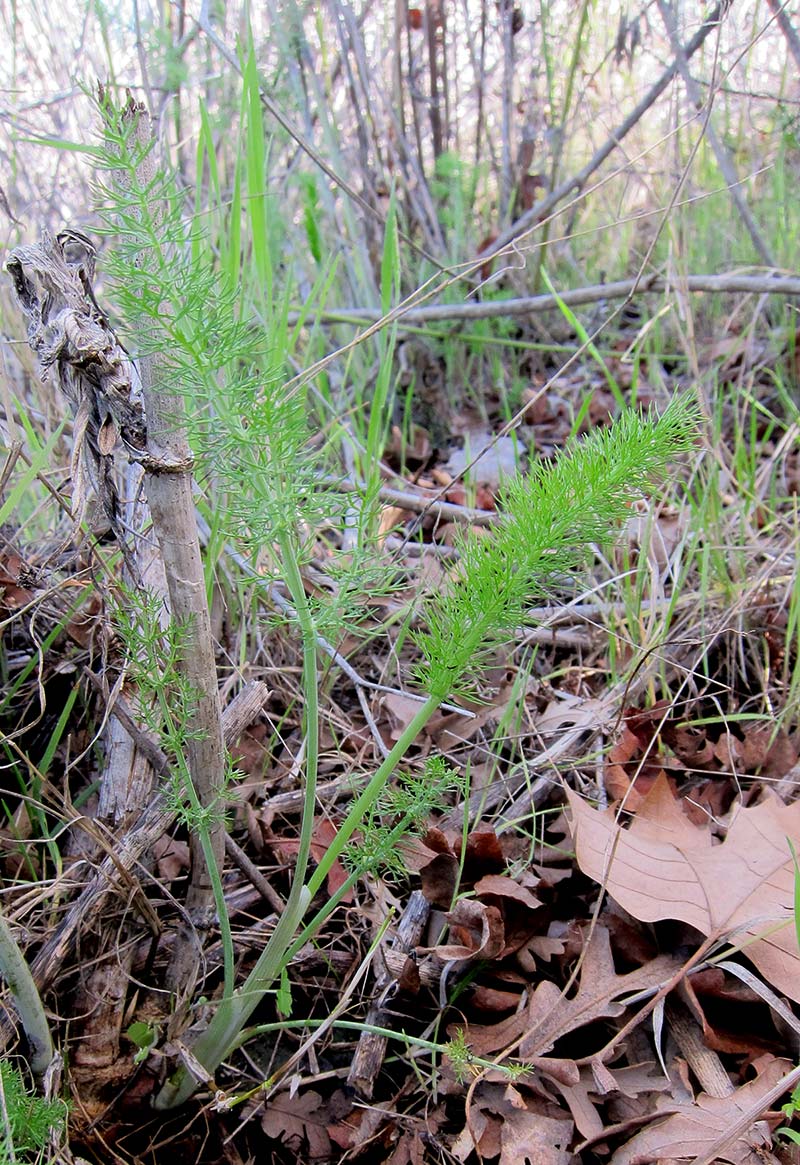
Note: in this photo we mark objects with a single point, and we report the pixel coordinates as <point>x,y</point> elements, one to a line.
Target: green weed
<point>27,1120</point>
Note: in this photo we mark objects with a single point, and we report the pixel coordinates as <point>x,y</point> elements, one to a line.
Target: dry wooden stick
<point>73,342</point>
<point>253,874</point>
<point>419,503</point>
<point>575,297</point>
<point>96,375</point>
<point>168,479</point>
<point>371,1048</point>
<point>703,1061</point>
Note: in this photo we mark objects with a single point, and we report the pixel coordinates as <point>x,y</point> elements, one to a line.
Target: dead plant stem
<point>168,486</point>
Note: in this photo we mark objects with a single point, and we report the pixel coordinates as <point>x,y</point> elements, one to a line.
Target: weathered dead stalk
<point>168,480</point>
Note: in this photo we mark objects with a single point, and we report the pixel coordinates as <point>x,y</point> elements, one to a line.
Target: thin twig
<point>253,874</point>
<point>724,160</point>
<point>533,216</point>
<point>275,597</point>
<point>371,1049</point>
<point>274,109</point>
<point>784,21</point>
<point>419,504</point>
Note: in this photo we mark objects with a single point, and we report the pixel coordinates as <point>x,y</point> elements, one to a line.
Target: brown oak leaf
<point>299,1121</point>
<point>666,867</point>
<point>502,1123</point>
<point>693,1128</point>
<point>550,1015</point>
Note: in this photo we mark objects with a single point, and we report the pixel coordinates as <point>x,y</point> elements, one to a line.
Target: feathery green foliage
<point>27,1119</point>
<point>252,438</point>
<point>403,809</point>
<point>550,518</point>
<point>212,298</point>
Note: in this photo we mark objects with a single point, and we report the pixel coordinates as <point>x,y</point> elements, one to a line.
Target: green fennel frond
<point>31,1119</point>
<point>403,810</point>
<point>551,517</point>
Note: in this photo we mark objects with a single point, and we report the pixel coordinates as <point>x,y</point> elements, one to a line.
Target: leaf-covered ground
<point>587,951</point>
<point>556,975</point>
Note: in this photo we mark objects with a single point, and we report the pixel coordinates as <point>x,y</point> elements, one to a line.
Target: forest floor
<point>585,949</point>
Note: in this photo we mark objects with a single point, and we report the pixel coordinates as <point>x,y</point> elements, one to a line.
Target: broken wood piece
<point>371,1047</point>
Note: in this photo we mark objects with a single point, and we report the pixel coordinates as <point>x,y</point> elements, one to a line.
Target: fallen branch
<point>371,1048</point>
<point>595,293</point>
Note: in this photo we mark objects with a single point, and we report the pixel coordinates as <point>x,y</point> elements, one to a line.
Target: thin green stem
<point>223,918</point>
<point>418,1042</point>
<point>231,1015</point>
<point>308,632</point>
<point>313,926</point>
<point>371,793</point>
<point>236,1007</point>
<point>17,975</point>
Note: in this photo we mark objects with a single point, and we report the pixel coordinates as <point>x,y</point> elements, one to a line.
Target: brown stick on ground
<point>709,1070</point>
<point>371,1047</point>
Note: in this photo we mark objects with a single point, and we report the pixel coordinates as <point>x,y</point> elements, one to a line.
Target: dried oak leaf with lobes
<point>504,1124</point>
<point>297,1120</point>
<point>550,1016</point>
<point>692,1129</point>
<point>663,866</point>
